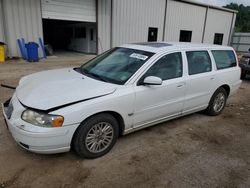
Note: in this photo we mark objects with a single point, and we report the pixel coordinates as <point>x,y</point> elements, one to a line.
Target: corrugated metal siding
<point>104,25</point>
<point>218,22</point>
<point>22,19</point>
<point>234,15</point>
<point>183,16</point>
<point>2,38</point>
<point>76,10</point>
<point>132,18</point>
<point>241,42</point>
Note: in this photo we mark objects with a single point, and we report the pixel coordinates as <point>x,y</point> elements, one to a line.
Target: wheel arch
<point>116,115</point>
<point>226,87</point>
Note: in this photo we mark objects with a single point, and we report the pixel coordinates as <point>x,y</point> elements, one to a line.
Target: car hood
<point>50,89</point>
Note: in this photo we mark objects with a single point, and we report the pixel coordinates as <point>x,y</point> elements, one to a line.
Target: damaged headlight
<point>42,119</point>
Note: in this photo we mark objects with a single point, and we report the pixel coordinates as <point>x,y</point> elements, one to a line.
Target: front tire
<point>96,136</point>
<point>217,102</point>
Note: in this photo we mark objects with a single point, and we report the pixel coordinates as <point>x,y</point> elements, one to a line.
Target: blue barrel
<point>32,51</point>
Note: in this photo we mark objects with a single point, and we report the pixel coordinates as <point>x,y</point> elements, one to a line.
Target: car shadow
<point>247,79</point>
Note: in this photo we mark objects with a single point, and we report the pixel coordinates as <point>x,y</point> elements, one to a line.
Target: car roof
<point>159,47</point>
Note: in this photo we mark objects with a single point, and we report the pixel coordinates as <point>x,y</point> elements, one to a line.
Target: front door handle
<point>180,85</point>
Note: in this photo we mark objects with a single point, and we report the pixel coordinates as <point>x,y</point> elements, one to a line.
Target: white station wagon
<point>125,89</point>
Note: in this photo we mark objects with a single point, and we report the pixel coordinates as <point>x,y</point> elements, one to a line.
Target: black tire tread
<point>210,111</point>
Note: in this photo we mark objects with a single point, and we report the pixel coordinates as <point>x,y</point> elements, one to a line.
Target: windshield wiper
<point>98,77</point>
<point>95,76</point>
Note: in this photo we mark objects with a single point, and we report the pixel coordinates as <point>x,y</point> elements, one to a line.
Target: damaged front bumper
<point>34,138</point>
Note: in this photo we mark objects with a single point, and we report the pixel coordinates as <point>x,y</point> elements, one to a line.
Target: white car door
<point>156,102</point>
<point>200,81</point>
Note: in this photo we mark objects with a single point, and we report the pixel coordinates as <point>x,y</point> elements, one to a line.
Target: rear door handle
<point>180,85</point>
<point>212,78</point>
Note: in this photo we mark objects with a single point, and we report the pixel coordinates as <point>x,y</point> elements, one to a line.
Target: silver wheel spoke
<point>91,135</point>
<point>105,128</point>
<point>109,132</point>
<point>90,141</point>
<point>92,146</point>
<point>219,102</point>
<point>99,127</point>
<point>108,137</point>
<point>99,137</point>
<point>105,142</point>
<point>98,146</point>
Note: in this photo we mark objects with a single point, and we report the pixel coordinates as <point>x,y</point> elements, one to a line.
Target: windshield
<point>116,66</point>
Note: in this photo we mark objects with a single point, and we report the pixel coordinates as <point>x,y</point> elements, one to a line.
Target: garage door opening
<point>75,36</point>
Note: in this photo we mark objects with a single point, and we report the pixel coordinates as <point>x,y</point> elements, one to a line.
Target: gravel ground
<point>192,151</point>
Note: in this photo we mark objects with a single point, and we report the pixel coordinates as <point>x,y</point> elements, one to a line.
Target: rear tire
<point>217,102</point>
<point>96,136</point>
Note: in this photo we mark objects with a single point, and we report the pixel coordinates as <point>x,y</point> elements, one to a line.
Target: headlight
<point>42,119</point>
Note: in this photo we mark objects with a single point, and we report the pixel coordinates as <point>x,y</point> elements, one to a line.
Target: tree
<point>243,17</point>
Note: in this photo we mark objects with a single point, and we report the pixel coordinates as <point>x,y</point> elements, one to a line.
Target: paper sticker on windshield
<point>139,56</point>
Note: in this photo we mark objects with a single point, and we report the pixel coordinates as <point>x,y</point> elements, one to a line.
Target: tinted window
<point>168,67</point>
<point>218,38</point>
<point>198,62</point>
<point>224,58</point>
<point>185,36</point>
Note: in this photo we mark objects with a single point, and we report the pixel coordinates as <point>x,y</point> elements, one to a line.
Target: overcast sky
<point>224,2</point>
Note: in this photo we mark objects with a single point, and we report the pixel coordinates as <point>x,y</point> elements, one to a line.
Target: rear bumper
<point>39,139</point>
<point>235,87</point>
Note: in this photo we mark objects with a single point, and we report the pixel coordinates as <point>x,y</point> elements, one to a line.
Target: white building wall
<point>76,10</point>
<point>125,21</point>
<point>184,16</point>
<point>132,18</point>
<point>2,38</point>
<point>22,20</point>
<point>104,25</point>
<point>232,29</point>
<point>218,22</point>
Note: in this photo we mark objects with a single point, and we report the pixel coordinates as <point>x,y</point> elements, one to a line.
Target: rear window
<point>224,59</point>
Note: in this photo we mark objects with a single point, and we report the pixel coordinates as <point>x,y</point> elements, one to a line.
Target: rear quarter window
<point>224,59</point>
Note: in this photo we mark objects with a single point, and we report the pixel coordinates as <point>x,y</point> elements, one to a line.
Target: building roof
<point>158,47</point>
<point>208,6</point>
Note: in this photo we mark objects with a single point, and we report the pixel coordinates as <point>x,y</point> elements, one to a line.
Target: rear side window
<point>198,62</point>
<point>224,59</point>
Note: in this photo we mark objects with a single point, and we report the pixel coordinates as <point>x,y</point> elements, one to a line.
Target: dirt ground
<point>193,151</point>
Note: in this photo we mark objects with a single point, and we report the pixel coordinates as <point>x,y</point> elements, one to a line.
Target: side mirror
<point>152,80</point>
